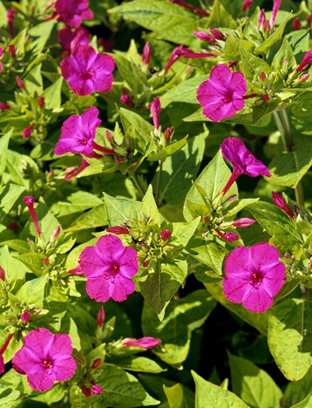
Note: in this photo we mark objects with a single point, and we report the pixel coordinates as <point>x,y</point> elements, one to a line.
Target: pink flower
<point>242,160</point>
<point>307,59</point>
<point>109,267</point>
<point>276,6</point>
<point>29,201</point>
<point>45,358</point>
<point>25,317</point>
<point>146,55</point>
<point>144,342</point>
<point>217,34</point>
<point>281,203</point>
<point>253,276</point>
<point>155,111</point>
<point>78,133</point>
<point>246,5</point>
<point>222,95</point>
<point>70,38</point>
<point>72,12</point>
<point>86,71</point>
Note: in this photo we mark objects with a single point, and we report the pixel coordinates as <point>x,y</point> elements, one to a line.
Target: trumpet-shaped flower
<point>109,267</point>
<point>45,358</point>
<point>72,12</point>
<point>222,95</point>
<point>253,276</point>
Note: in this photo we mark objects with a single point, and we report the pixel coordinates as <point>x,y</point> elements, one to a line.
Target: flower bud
<point>265,98</point>
<point>155,111</point>
<point>144,342</point>
<point>25,317</point>
<point>2,274</point>
<point>168,133</point>
<point>296,24</point>
<point>4,106</point>
<point>228,236</point>
<point>304,77</point>
<point>20,83</point>
<point>41,101</point>
<point>145,263</point>
<point>217,34</point>
<point>109,137</point>
<point>262,76</point>
<point>96,389</point>
<point>125,100</point>
<point>146,53</point>
<point>96,363</point>
<point>29,201</point>
<point>118,230</point>
<point>86,391</point>
<point>46,261</point>
<point>28,131</point>
<point>309,19</point>
<point>202,35</point>
<point>281,203</point>
<point>100,317</point>
<point>165,234</point>
<point>246,5</point>
<point>56,233</point>
<point>243,222</point>
<point>12,50</point>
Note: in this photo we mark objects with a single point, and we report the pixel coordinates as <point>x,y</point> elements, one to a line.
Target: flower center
<point>114,269</point>
<point>87,75</point>
<point>84,140</point>
<point>47,365</point>
<point>228,97</point>
<point>255,279</point>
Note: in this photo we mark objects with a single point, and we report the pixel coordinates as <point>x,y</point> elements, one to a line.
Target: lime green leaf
<point>296,391</point>
<point>276,36</point>
<point>183,92</point>
<point>306,403</point>
<point>4,143</point>
<point>138,364</point>
<point>96,217</point>
<point>120,210</point>
<point>149,206</point>
<point>176,397</point>
<point>33,292</point>
<point>219,17</point>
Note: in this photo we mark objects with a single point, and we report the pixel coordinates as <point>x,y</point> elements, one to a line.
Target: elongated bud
<point>96,389</point>
<point>246,5</point>
<point>109,137</point>
<point>20,83</point>
<point>281,203</point>
<point>309,19</point>
<point>86,391</point>
<point>262,76</point>
<point>187,6</point>
<point>81,168</point>
<point>4,106</point>
<point>56,233</point>
<point>6,343</point>
<point>29,201</point>
<point>10,15</point>
<point>41,101</point>
<point>296,24</point>
<point>165,234</point>
<point>304,77</point>
<point>96,363</point>
<point>118,230</point>
<point>12,50</point>
<point>168,133</point>
<point>146,55</point>
<point>144,342</point>
<point>307,59</point>
<point>2,274</point>
<point>100,317</point>
<point>25,317</point>
<point>243,222</point>
<point>228,236</point>
<point>28,131</point>
<point>217,34</point>
<point>202,35</point>
<point>186,53</point>
<point>155,111</point>
<point>175,55</point>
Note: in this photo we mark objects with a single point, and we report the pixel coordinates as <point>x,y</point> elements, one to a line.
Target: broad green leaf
<point>159,286</point>
<point>4,143</point>
<point>9,194</point>
<point>138,364</point>
<point>233,209</point>
<point>253,66</point>
<point>149,206</point>
<point>3,19</point>
<point>287,169</point>
<point>120,389</point>
<point>284,52</point>
<point>78,399</point>
<point>306,403</point>
<point>290,336</point>
<point>167,151</point>
<point>212,180</point>
<point>210,395</point>
<point>253,385</point>
<point>179,170</point>
<point>120,210</point>
<point>134,123</point>
<point>176,397</point>
<point>33,80</point>
<point>33,292</point>
<point>77,202</point>
<point>14,270</point>
<point>96,217</point>
<point>276,223</point>
<point>39,35</point>
<point>210,254</point>
<point>298,40</point>
<point>169,21</point>
<point>55,394</point>
<point>8,397</point>
<point>296,391</point>
<point>219,16</point>
<point>182,317</point>
<point>276,36</point>
<point>183,231</point>
<point>52,95</point>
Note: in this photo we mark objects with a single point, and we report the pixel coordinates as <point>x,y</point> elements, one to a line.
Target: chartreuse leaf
<point>3,19</point>
<point>253,66</point>
<point>296,391</point>
<point>182,317</point>
<point>76,202</point>
<point>132,122</point>
<point>14,270</point>
<point>210,395</point>
<point>120,389</point>
<point>33,292</point>
<point>138,364</point>
<point>53,395</point>
<point>306,403</point>
<point>290,336</point>
<point>287,169</point>
<point>276,36</point>
<point>212,180</point>
<point>9,194</point>
<point>214,287</point>
<point>176,397</point>
<point>39,35</point>
<point>78,399</point>
<point>208,253</point>
<point>120,210</point>
<point>4,143</point>
<point>284,52</point>
<point>159,285</point>
<point>169,21</point>
<point>96,217</point>
<point>149,206</point>
<point>8,397</point>
<point>276,223</point>
<point>183,92</point>
<point>183,231</point>
<point>180,169</point>
<point>219,17</point>
<point>52,95</point>
<point>253,385</point>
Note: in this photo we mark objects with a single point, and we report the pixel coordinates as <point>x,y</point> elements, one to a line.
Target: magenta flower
<point>228,236</point>
<point>155,111</point>
<point>86,71</point>
<point>70,38</point>
<point>222,95</point>
<point>109,267</point>
<point>144,342</point>
<point>165,234</point>
<point>1,364</point>
<point>146,55</point>
<point>78,133</point>
<point>29,201</point>
<point>25,316</point>
<point>307,59</point>
<point>253,276</point>
<point>276,6</point>
<point>45,358</point>
<point>72,12</point>
<point>281,203</point>
<point>243,222</point>
<point>96,389</point>
<point>242,160</point>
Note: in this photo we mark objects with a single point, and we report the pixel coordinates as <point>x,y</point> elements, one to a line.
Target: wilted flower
<point>222,95</point>
<point>144,342</point>
<point>118,230</point>
<point>96,389</point>
<point>109,267</point>
<point>281,203</point>
<point>243,161</point>
<point>86,71</point>
<point>72,12</point>
<point>45,358</point>
<point>253,276</point>
<point>70,38</point>
<point>155,110</point>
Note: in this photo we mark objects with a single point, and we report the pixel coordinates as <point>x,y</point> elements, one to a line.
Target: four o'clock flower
<point>242,160</point>
<point>109,267</point>
<point>87,72</point>
<point>70,38</point>
<point>45,358</point>
<point>281,203</point>
<point>29,201</point>
<point>253,276</point>
<point>144,342</point>
<point>72,12</point>
<point>222,95</point>
<point>155,110</point>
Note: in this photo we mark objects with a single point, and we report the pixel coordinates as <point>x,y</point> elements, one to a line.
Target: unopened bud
<point>100,317</point>
<point>25,317</point>
<point>262,76</point>
<point>309,19</point>
<point>146,55</point>
<point>205,219</point>
<point>12,50</point>
<point>168,133</point>
<point>28,131</point>
<point>109,137</point>
<point>96,363</point>
<point>20,83</point>
<point>217,34</point>
<point>296,24</point>
<point>145,263</point>
<point>281,203</point>
<point>56,233</point>
<point>46,261</point>
<point>41,101</point>
<point>96,389</point>
<point>165,234</point>
<point>243,222</point>
<point>2,274</point>
<point>86,391</point>
<point>4,106</point>
<point>304,77</point>
<point>265,98</point>
<point>118,230</point>
<point>287,256</point>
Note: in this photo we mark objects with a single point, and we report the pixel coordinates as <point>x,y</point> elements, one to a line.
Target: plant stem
<point>138,185</point>
<point>157,192</point>
<point>284,128</point>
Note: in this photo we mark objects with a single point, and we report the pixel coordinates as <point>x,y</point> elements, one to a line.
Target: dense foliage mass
<point>155,224</point>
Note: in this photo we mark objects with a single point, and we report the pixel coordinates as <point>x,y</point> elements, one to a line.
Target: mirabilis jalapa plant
<point>105,220</point>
